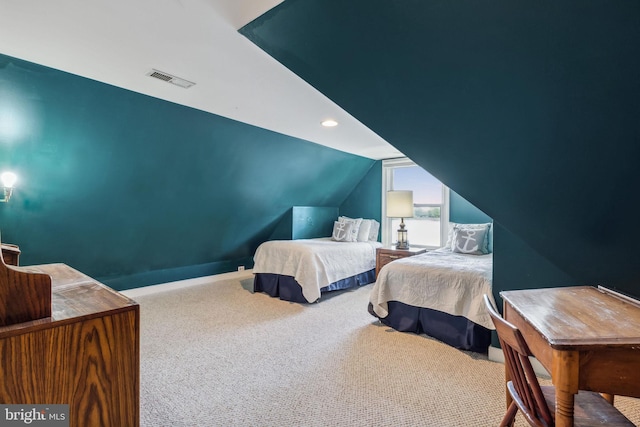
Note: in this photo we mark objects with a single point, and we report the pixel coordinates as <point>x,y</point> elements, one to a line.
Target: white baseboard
<point>496,355</point>
<point>163,287</point>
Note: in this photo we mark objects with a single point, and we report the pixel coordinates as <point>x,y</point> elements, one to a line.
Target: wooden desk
<point>86,354</point>
<point>586,338</point>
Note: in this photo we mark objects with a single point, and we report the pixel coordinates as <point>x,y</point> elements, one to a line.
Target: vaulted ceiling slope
<point>529,110</point>
<point>120,42</point>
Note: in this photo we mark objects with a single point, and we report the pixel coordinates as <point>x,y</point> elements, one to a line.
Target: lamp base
<point>403,241</point>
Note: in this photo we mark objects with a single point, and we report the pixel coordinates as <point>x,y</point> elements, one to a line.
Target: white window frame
<point>387,184</point>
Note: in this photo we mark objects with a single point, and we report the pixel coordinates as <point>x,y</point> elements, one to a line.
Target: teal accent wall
<point>460,210</point>
<point>305,222</point>
<point>133,190</point>
<point>365,200</point>
<point>528,110</point>
<point>310,222</point>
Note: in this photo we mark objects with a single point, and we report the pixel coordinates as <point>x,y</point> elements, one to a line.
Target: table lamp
<point>400,205</point>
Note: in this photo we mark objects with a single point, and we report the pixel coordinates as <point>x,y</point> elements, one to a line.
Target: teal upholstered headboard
<point>309,222</point>
<point>306,222</point>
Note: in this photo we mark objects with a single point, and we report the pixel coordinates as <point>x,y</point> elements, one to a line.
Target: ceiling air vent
<point>170,79</point>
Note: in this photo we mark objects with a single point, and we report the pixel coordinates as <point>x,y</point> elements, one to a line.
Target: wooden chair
<point>537,402</point>
<point>25,294</point>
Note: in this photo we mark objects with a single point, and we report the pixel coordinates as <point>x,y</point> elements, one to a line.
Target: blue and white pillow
<point>487,244</point>
<point>469,240</point>
<point>342,231</point>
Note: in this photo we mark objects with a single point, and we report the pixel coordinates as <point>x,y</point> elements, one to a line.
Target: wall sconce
<point>8,181</point>
<point>400,205</point>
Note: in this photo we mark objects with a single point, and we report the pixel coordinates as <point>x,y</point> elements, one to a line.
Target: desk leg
<point>565,374</point>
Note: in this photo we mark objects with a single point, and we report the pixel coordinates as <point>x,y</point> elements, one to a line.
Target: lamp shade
<point>400,204</point>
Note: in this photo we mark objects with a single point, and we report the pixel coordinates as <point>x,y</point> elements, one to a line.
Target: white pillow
<point>373,231</point>
<point>450,235</point>
<point>342,231</point>
<point>354,229</point>
<point>363,231</point>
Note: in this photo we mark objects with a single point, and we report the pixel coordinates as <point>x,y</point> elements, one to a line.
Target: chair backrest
<point>25,294</point>
<point>529,397</point>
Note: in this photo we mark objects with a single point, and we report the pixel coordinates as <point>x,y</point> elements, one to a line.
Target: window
<point>429,226</point>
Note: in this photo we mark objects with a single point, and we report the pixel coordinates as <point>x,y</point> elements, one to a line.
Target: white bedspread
<point>315,263</point>
<point>441,280</point>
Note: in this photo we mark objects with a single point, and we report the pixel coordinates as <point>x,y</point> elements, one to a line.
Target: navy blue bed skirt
<point>456,331</point>
<point>288,289</point>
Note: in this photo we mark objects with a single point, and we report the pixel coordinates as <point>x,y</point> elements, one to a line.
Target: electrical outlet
<point>241,268</point>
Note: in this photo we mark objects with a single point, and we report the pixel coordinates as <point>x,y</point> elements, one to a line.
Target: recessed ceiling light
<point>329,123</point>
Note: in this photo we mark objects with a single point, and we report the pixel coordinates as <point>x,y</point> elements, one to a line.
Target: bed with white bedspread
<point>316,266</point>
<point>438,293</point>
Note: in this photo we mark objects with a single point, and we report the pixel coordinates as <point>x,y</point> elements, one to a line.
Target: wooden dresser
<point>385,255</point>
<point>85,354</point>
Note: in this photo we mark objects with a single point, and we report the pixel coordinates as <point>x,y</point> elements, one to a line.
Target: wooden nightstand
<point>10,253</point>
<point>385,255</point>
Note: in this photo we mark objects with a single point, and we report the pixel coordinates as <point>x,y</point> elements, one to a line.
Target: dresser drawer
<point>384,259</point>
<point>386,255</point>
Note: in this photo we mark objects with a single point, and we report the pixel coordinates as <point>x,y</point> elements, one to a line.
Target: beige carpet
<point>218,355</point>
